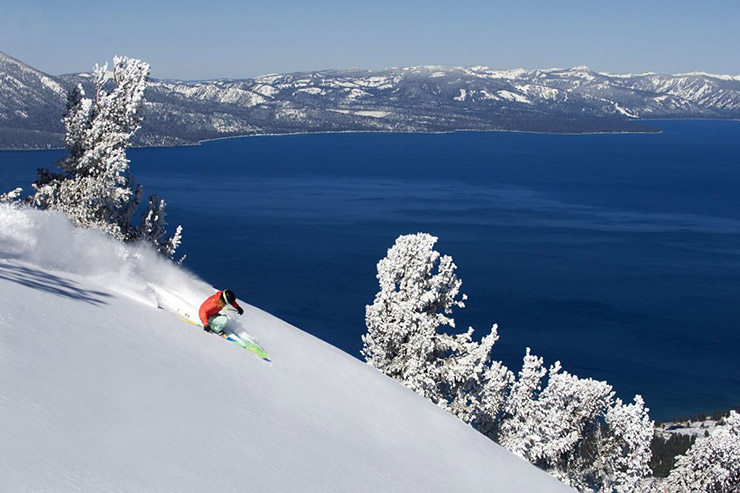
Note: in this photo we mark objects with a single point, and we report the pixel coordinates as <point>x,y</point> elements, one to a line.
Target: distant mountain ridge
<point>31,105</point>
<point>406,99</point>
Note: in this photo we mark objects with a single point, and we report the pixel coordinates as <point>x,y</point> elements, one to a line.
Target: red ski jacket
<point>212,305</point>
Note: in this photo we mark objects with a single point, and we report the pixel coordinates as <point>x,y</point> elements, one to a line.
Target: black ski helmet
<point>228,296</point>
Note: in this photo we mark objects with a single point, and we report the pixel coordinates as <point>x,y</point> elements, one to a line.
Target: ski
<point>246,343</point>
<point>188,321</point>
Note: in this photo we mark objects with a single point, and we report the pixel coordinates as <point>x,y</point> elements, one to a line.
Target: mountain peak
<point>427,98</point>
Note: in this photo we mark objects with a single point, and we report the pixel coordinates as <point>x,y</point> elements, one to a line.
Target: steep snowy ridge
<point>102,388</point>
<point>27,99</point>
<point>411,99</point>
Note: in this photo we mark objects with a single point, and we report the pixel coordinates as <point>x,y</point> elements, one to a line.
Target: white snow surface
<point>370,113</point>
<point>102,388</point>
<point>624,111</point>
<point>511,96</point>
<point>686,427</point>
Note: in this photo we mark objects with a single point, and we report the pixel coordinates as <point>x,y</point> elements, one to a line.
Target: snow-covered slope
<point>31,105</point>
<point>101,390</point>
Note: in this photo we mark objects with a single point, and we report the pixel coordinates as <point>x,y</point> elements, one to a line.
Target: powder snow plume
<point>49,240</point>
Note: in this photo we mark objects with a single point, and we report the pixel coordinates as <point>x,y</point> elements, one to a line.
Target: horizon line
<point>520,70</point>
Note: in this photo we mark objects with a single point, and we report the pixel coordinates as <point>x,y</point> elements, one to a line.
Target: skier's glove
<point>240,310</point>
<point>207,328</point>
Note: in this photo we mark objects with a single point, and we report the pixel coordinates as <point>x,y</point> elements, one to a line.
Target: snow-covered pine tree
<point>712,464</point>
<point>621,450</point>
<point>572,428</point>
<point>519,409</point>
<point>11,196</point>
<point>474,385</point>
<point>575,430</point>
<point>413,302</point>
<point>153,228</point>
<point>95,187</point>
<point>497,384</point>
<point>566,412</point>
<point>418,290</point>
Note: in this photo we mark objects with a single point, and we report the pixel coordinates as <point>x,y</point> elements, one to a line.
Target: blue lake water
<point>619,255</point>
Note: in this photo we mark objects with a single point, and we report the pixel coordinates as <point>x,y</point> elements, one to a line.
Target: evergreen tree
<point>566,411</point>
<point>153,228</point>
<point>665,451</point>
<point>95,188</point>
<point>476,386</point>
<point>11,196</point>
<point>622,453</point>
<point>497,384</point>
<point>712,464</point>
<point>519,410</point>
<point>573,427</point>
<point>418,290</point>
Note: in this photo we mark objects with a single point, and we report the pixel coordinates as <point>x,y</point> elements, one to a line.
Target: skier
<point>209,314</point>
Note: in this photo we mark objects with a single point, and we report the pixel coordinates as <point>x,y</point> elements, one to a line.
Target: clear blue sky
<point>230,38</point>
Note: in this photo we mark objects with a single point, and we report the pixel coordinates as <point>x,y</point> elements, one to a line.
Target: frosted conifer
<point>622,448</point>
<point>413,302</point>
<point>712,464</point>
<point>497,383</point>
<point>559,429</point>
<point>154,228</point>
<point>476,385</point>
<point>565,412</point>
<point>95,188</point>
<point>418,290</point>
<point>519,410</point>
<point>11,196</point>
<point>573,427</point>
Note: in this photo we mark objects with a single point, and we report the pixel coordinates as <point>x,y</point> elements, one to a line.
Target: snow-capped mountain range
<point>406,99</point>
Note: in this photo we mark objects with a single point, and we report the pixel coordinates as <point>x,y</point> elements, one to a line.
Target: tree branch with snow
<point>95,188</point>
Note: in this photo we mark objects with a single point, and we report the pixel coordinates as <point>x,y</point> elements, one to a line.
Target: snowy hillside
<point>31,105</point>
<point>102,388</point>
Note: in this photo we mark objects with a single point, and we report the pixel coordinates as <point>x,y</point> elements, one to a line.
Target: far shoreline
<point>448,132</point>
<point>384,132</point>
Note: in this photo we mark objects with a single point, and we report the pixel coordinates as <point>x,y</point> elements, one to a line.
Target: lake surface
<point>618,255</point>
